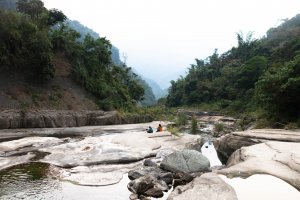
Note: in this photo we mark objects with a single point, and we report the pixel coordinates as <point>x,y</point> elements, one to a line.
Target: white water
<point>209,151</point>
<point>262,187</point>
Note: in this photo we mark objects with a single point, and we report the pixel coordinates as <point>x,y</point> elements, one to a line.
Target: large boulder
<point>279,159</point>
<point>149,181</point>
<point>187,161</point>
<point>229,143</point>
<point>209,186</point>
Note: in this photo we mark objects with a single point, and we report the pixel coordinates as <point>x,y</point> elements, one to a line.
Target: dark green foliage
<point>219,127</point>
<point>278,91</point>
<point>182,119</point>
<point>33,8</point>
<point>113,85</point>
<point>24,47</point>
<point>56,16</point>
<point>194,126</point>
<point>257,75</point>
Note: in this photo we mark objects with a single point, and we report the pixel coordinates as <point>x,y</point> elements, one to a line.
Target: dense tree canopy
<point>24,47</point>
<point>257,74</point>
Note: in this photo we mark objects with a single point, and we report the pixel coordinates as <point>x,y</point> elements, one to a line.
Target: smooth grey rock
<point>6,162</point>
<point>140,185</point>
<point>154,192</point>
<point>279,159</point>
<point>149,162</point>
<point>94,146</point>
<point>161,185</point>
<point>181,178</point>
<point>135,174</point>
<point>187,161</point>
<point>209,186</point>
<point>229,143</point>
<point>166,177</point>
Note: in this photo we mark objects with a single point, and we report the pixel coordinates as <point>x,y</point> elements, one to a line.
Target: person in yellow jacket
<point>159,128</point>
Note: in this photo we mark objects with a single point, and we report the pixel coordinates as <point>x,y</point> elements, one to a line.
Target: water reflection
<point>29,181</point>
<point>35,181</point>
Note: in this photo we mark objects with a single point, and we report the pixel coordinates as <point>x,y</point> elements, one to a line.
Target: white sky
<point>162,37</point>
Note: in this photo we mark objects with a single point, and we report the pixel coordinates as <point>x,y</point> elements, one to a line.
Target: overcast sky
<point>162,37</point>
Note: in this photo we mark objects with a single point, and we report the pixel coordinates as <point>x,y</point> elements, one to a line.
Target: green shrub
<point>194,127</point>
<point>174,131</point>
<point>181,119</point>
<point>291,126</point>
<point>219,127</point>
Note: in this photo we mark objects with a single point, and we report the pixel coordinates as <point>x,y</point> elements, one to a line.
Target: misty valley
<point>81,118</point>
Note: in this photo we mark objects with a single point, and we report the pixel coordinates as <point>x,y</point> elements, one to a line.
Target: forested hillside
<point>33,38</point>
<point>148,98</point>
<point>259,76</point>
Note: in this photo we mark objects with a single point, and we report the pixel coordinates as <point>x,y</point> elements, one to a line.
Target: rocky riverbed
<point>78,159</point>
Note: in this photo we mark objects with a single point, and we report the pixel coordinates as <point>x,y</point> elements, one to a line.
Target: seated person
<point>159,128</point>
<point>149,130</point>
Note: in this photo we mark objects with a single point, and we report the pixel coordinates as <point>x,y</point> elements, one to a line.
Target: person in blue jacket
<point>149,130</point>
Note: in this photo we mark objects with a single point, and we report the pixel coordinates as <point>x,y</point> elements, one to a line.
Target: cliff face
<point>11,119</point>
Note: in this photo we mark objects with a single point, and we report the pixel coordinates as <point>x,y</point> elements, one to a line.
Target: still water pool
<point>35,181</point>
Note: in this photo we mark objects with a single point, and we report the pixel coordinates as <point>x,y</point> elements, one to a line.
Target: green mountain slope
<point>259,76</point>
<point>33,42</point>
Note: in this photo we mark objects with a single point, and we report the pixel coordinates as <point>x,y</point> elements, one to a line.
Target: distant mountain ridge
<point>158,92</point>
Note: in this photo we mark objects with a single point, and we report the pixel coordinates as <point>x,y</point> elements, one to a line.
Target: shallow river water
<point>34,181</point>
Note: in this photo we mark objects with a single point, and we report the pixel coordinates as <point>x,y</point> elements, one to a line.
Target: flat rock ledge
<point>229,143</point>
<point>279,159</point>
<point>12,119</point>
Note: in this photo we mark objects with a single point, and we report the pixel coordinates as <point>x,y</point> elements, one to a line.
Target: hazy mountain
<point>158,92</point>
<point>84,30</point>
